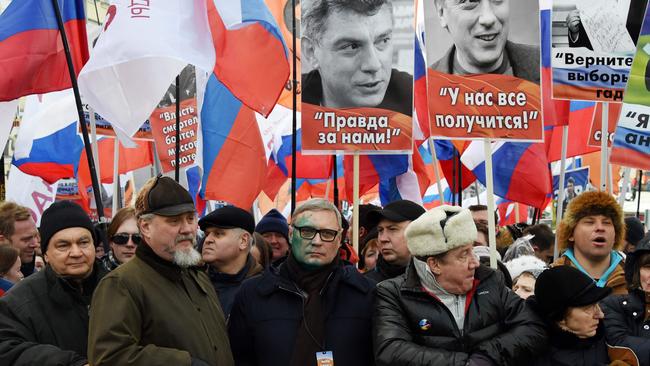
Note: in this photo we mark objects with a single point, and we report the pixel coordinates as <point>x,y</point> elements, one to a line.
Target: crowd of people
<point>293,292</point>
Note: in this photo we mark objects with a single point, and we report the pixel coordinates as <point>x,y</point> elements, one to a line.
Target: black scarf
<point>310,337</point>
<point>389,270</point>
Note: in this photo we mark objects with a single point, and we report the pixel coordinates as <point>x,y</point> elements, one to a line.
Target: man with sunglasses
<point>311,307</point>
<point>159,308</point>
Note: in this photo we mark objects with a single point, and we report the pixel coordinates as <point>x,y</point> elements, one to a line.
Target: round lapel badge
<point>424,324</point>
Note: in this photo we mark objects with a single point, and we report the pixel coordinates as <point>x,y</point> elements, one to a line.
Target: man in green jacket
<point>159,308</point>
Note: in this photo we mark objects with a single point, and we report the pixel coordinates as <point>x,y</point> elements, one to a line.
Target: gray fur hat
<point>440,230</point>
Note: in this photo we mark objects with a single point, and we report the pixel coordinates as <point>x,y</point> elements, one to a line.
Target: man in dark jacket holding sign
<point>446,309</point>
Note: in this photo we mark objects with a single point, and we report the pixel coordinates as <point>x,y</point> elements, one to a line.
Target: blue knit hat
<point>273,221</point>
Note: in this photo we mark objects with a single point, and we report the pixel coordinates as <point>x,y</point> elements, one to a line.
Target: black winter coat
<point>624,324</point>
<point>412,327</point>
<point>269,308</point>
<point>44,320</point>
<point>565,349</point>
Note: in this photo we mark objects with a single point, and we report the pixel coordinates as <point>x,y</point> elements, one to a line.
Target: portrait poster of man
<point>630,146</point>
<point>484,68</point>
<point>357,84</point>
<point>576,182</point>
<point>593,45</point>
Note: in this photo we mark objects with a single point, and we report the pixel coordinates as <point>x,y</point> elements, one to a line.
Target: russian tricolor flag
<point>246,38</point>
<point>554,112</point>
<point>32,60</point>
<point>234,160</point>
<point>520,170</point>
<point>48,145</point>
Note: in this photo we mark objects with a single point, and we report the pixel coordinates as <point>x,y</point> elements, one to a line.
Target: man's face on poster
<point>354,57</point>
<point>479,29</point>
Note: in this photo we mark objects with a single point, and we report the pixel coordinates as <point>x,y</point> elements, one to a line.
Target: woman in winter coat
<point>627,317</point>
<point>568,301</point>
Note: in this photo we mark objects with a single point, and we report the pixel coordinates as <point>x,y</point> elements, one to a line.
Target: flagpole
<point>82,120</point>
<point>460,181</point>
<point>116,177</point>
<point>478,196</point>
<point>177,168</point>
<point>638,192</point>
<point>453,179</point>
<point>603,147</point>
<point>336,181</point>
<point>487,149</point>
<point>436,173</point>
<point>294,126</point>
<point>560,195</point>
<point>355,208</point>
<point>93,138</point>
<point>626,181</point>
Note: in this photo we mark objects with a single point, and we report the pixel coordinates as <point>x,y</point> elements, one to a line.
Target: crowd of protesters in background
<point>289,290</point>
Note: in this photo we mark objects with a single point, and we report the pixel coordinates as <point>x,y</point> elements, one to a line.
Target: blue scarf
<point>615,260</point>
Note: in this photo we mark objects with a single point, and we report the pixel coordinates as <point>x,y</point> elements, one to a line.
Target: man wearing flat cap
<point>44,318</point>
<point>227,251</point>
<point>448,310</point>
<point>391,222</point>
<point>159,308</point>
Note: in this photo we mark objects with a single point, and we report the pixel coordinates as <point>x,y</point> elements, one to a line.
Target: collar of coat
<point>167,269</point>
<point>412,282</point>
<point>65,292</point>
<point>273,279</point>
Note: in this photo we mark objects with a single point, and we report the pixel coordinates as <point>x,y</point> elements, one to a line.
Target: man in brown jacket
<point>159,308</point>
<point>590,234</point>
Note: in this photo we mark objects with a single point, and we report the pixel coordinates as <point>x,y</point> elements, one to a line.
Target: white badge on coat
<point>325,358</point>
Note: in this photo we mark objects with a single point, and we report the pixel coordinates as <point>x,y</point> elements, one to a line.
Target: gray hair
<point>250,241</point>
<point>317,204</point>
<point>316,12</point>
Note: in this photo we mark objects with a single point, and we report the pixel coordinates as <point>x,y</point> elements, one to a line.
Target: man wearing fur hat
<point>448,310</point>
<point>44,318</point>
<point>160,307</point>
<point>591,232</point>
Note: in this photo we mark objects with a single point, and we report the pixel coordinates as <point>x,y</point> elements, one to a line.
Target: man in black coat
<point>394,253</point>
<point>446,309</point>
<point>44,318</point>
<point>310,306</point>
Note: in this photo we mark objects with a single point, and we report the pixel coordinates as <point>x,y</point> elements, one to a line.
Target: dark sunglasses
<point>121,239</point>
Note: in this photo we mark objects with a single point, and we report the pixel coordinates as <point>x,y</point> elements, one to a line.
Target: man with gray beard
<point>159,308</point>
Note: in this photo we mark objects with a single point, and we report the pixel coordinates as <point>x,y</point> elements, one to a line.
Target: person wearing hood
<point>308,308</point>
<point>448,310</point>
<point>590,234</point>
<point>634,232</point>
<point>567,300</point>
<point>627,318</point>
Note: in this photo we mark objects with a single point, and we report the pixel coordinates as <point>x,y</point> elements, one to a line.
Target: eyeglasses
<point>309,233</point>
<point>121,239</point>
